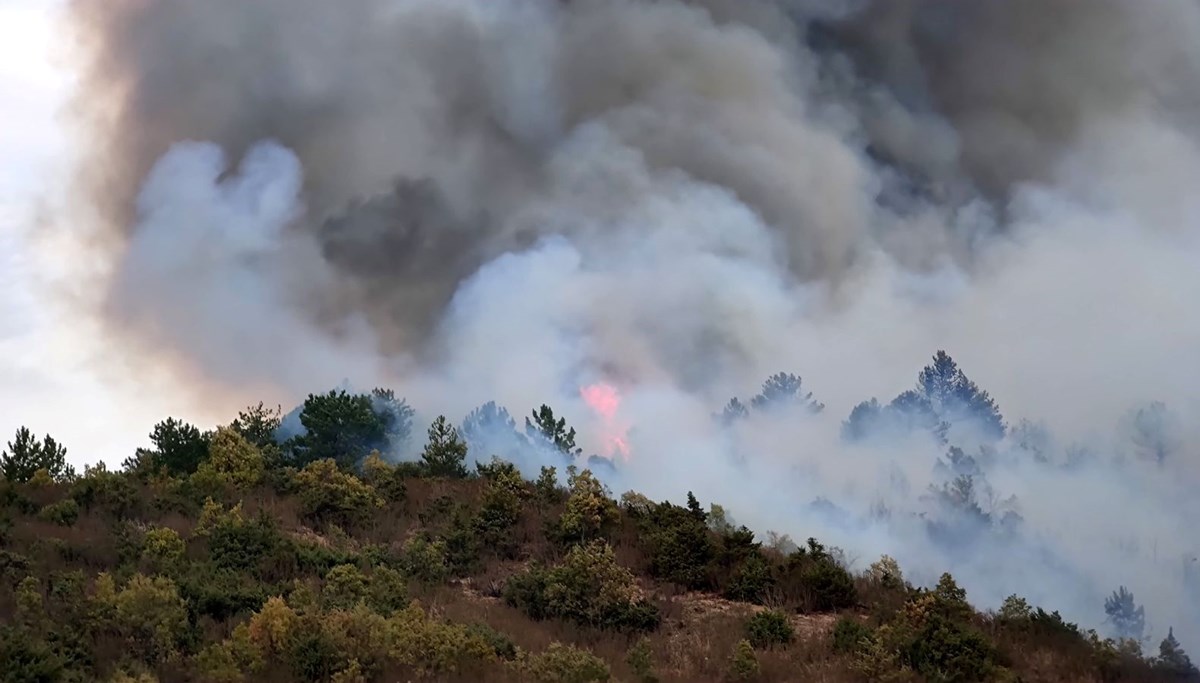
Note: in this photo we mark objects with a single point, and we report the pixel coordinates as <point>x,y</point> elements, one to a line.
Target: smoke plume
<point>509,200</point>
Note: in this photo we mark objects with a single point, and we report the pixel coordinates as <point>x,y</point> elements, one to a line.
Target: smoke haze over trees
<point>475,201</point>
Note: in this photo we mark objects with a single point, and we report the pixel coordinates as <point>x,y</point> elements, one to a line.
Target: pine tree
<point>734,410</point>
<point>1127,617</point>
<point>545,428</point>
<point>489,429</point>
<point>26,455</point>
<point>1172,659</point>
<point>954,397</point>
<point>785,389</point>
<point>445,451</point>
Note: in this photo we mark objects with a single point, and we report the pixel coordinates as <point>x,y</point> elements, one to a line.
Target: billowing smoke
<point>511,200</point>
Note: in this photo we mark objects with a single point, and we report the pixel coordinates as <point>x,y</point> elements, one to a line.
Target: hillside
<point>227,556</point>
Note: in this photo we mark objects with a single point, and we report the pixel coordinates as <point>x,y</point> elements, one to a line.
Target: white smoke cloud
<point>681,199</point>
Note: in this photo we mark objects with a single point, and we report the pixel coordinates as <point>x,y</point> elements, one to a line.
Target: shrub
<point>816,579</point>
<point>501,644</point>
<point>743,665</point>
<point>590,512</point>
<point>750,581</point>
<point>425,561</point>
<point>27,658</point>
<point>678,545</point>
<point>344,587</point>
<point>162,548</point>
<point>385,477</point>
<point>243,545</point>
<point>641,661</point>
<point>566,664</point>
<point>63,513</point>
<point>386,590</point>
<point>330,495</point>
<point>589,588</point>
<point>769,628</point>
<point>849,635</point>
<point>434,647</point>
<point>149,615</point>
<point>111,492</point>
<point>886,572</point>
<point>232,460</point>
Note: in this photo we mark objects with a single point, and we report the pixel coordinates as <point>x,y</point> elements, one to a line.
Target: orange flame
<point>605,401</point>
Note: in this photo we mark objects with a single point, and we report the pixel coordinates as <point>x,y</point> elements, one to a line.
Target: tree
<point>490,428</point>
<point>1127,618</point>
<point>258,424</point>
<point>784,390</point>
<point>396,416</point>
<point>590,511</point>
<point>179,448</point>
<point>26,455</point>
<point>734,410</point>
<point>341,427</point>
<point>864,419</point>
<point>1154,431</point>
<point>233,460</point>
<point>546,429</point>
<point>445,451</point>
<point>955,398</point>
<point>1172,659</point>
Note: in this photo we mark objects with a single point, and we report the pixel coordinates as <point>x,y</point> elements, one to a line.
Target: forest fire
<point>605,401</point>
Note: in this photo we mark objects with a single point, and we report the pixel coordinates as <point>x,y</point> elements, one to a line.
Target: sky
<point>50,380</point>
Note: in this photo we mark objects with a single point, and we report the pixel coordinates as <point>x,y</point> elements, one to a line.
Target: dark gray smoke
<point>509,199</point>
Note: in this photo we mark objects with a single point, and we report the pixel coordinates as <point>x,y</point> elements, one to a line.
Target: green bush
<point>567,664</point>
<point>27,659</point>
<point>743,665</point>
<point>387,591</point>
<point>641,661</point>
<point>162,548</point>
<point>345,586</point>
<point>589,588</point>
<point>63,513</point>
<point>242,545</point>
<point>148,613</point>
<point>425,561</point>
<point>111,492</point>
<point>751,581</point>
<point>769,628</point>
<point>848,635</point>
<point>328,494</point>
<point>679,546</point>
<point>590,513</point>
<point>501,644</point>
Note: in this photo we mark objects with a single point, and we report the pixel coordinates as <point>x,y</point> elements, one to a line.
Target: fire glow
<point>605,401</point>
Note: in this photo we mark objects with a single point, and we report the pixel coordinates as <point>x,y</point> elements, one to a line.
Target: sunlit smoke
<point>605,402</point>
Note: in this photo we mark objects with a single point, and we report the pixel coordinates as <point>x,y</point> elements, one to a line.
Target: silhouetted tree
<point>1154,431</point>
<point>955,398</point>
<point>544,427</point>
<point>734,410</point>
<point>1172,659</point>
<point>396,416</point>
<point>865,419</point>
<point>490,429</point>
<point>785,389</point>
<point>26,455</point>
<point>1128,619</point>
<point>179,448</point>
